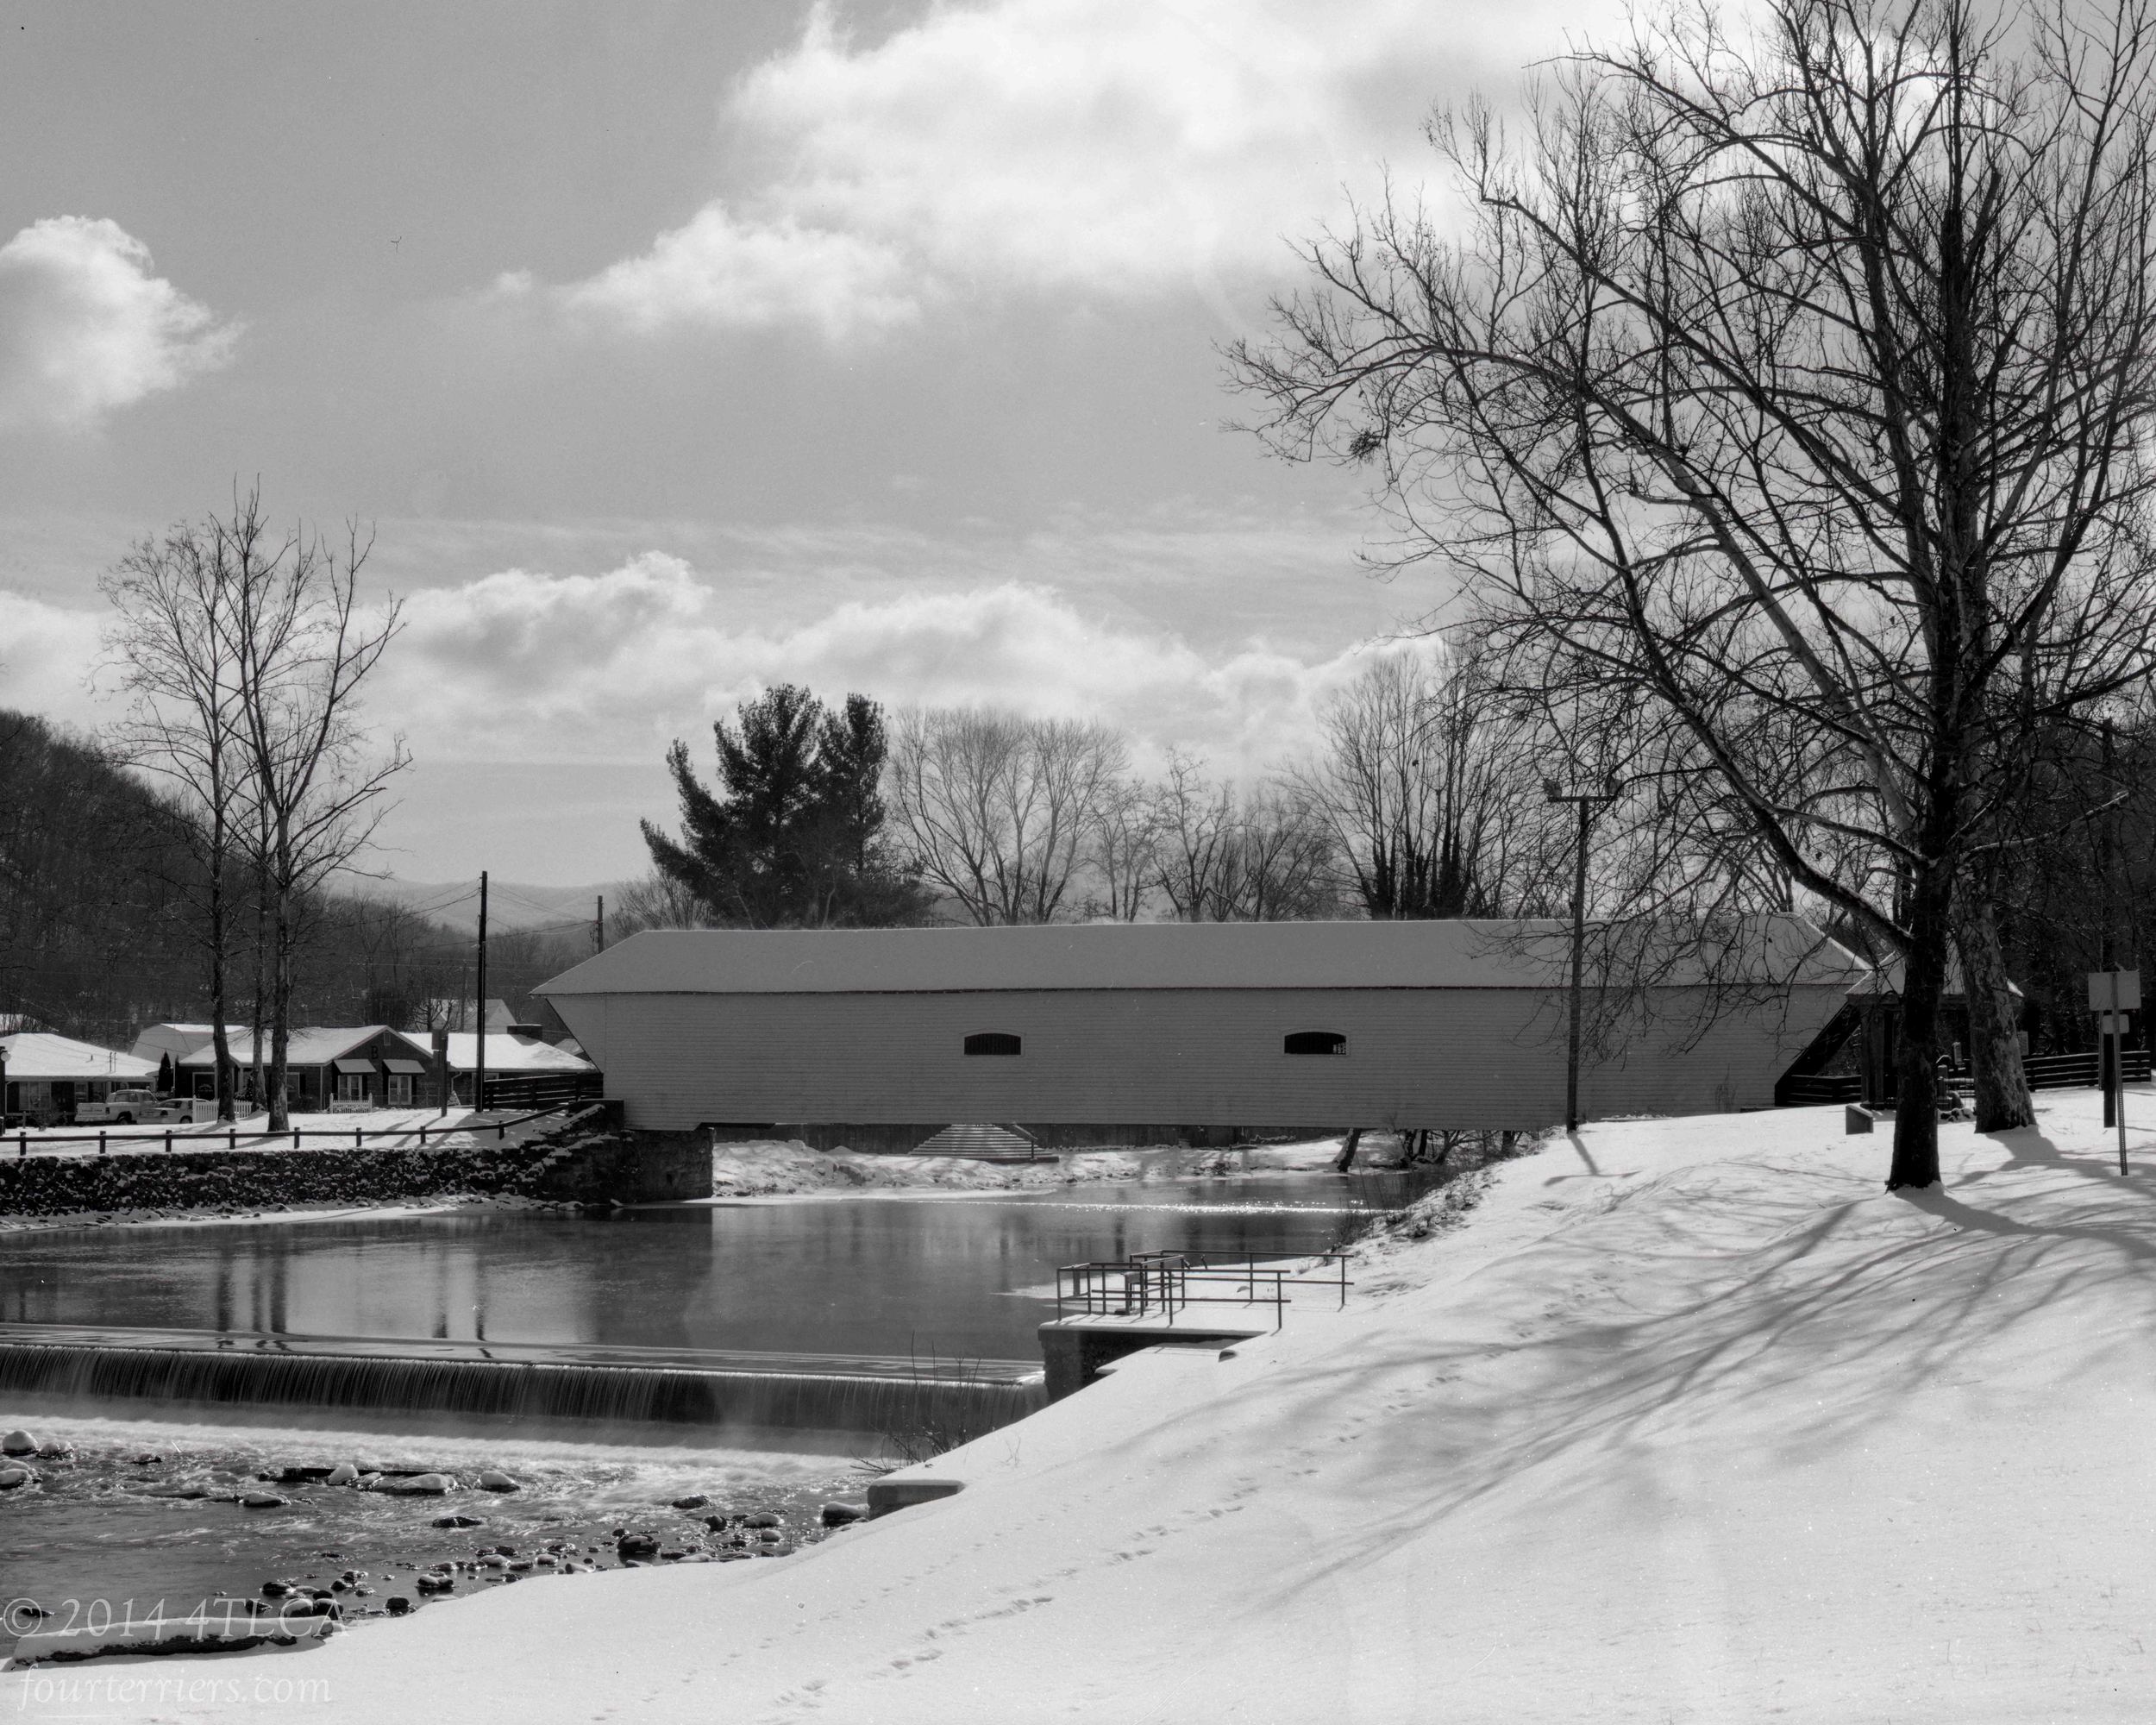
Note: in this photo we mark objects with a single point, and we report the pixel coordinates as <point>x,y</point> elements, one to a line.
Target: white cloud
<point>85,328</point>
<point>520,665</point>
<point>46,655</point>
<point>726,273</point>
<point>1108,147</point>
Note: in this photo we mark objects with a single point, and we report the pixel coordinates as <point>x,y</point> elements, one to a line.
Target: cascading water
<point>731,1397</point>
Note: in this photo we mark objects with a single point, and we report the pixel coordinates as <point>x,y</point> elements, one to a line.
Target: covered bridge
<point>1141,1033</point>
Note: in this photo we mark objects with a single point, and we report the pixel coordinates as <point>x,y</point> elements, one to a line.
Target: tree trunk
<point>280,1007</point>
<point>1346,1158</point>
<point>220,1043</point>
<point>1915,1160</point>
<point>1995,1043</point>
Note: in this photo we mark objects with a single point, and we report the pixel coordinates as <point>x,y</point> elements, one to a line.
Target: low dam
<point>738,1400</point>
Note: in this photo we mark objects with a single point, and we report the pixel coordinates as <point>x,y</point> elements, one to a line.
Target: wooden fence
<point>2046,1072</point>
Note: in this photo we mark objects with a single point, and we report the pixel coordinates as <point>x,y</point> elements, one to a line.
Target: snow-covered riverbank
<point>1692,1421</point>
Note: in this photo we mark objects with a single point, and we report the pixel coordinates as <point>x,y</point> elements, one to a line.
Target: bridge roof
<point>1766,951</point>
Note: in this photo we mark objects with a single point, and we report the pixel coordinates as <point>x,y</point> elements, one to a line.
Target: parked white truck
<point>142,1107</point>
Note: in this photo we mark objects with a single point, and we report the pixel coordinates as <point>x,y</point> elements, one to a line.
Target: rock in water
<point>839,1514</point>
<point>262,1500</point>
<point>18,1443</point>
<point>55,1449</point>
<point>12,1476</point>
<point>762,1519</point>
<point>636,1546</point>
<point>397,1604</point>
<point>494,1479</point>
<point>695,1502</point>
<point>421,1484</point>
<point>458,1521</point>
<point>342,1474</point>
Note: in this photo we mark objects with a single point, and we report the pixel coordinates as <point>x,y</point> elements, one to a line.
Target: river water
<point>801,1290</point>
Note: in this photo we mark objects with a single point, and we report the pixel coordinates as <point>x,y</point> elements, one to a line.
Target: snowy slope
<point>1692,1422</point>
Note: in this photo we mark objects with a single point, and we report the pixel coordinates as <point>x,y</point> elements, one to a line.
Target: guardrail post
<point>100,1144</point>
<point>294,1137</point>
<point>168,1141</point>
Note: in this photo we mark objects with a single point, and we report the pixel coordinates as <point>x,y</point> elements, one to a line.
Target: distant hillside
<point>101,919</point>
<point>510,904</point>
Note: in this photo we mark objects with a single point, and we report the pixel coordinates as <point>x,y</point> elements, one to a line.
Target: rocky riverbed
<point>113,1520</point>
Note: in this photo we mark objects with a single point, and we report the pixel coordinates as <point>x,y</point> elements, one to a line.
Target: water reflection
<point>883,1275</point>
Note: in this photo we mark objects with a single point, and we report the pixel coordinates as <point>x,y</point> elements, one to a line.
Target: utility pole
<point>2109,1064</point>
<point>1586,802</point>
<point>598,926</point>
<point>478,1064</point>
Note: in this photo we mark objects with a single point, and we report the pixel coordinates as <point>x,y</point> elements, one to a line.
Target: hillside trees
<point>1798,388</point>
<point>794,835</point>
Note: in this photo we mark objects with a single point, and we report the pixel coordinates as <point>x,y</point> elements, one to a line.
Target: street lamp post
<point>1586,802</point>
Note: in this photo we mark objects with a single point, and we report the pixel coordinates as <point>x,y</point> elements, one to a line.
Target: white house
<point>48,1076</point>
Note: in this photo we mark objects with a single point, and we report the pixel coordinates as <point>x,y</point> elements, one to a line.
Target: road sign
<point>2113,1024</point>
<point>2128,997</point>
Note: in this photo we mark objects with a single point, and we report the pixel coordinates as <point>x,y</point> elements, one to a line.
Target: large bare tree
<point>1800,385</point>
<point>304,649</point>
<point>1001,811</point>
<point>173,641</point>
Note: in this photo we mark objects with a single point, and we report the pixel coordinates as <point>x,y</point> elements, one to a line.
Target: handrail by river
<point>1150,1283</point>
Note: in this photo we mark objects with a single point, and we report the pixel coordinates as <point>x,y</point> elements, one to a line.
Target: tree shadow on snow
<point>1715,1293</point>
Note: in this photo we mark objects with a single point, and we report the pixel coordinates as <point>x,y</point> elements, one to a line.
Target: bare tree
<point>303,650</point>
<point>1427,797</point>
<point>1000,811</point>
<point>1801,388</point>
<point>173,641</point>
<point>1126,854</point>
<point>1223,856</point>
<point>657,901</point>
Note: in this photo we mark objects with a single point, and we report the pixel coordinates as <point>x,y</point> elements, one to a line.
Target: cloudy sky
<point>676,349</point>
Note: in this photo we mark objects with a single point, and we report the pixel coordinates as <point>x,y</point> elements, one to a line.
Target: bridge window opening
<point>1315,1042</point>
<point>993,1042</point>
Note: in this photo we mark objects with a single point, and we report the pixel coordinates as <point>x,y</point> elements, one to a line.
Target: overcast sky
<point>673,350</point>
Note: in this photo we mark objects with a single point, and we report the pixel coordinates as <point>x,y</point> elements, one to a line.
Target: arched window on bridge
<point>991,1042</point>
<point>1315,1042</point>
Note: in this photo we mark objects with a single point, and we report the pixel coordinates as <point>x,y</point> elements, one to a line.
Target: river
<point>816,1303</point>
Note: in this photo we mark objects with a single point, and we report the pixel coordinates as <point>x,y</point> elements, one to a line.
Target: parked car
<point>134,1108</point>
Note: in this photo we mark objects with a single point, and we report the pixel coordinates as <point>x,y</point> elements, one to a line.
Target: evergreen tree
<point>792,836</point>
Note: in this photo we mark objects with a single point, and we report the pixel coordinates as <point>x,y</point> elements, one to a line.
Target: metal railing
<point>1164,1283</point>
<point>228,1138</point>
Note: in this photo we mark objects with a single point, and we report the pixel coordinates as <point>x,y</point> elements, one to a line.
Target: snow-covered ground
<point>1691,1421</point>
<point>764,1168</point>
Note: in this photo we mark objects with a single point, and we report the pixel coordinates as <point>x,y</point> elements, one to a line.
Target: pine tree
<point>792,836</point>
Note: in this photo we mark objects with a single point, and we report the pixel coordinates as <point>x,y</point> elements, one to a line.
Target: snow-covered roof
<point>178,1040</point>
<point>303,1047</point>
<point>38,1055</point>
<point>1782,950</point>
<point>508,1056</point>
